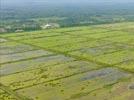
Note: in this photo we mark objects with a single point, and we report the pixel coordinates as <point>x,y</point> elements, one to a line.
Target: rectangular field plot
<point>68,47</point>
<point>78,85</point>
<point>23,34</point>
<point>107,34</point>
<point>120,91</point>
<point>117,26</point>
<point>88,31</point>
<point>128,39</point>
<point>16,49</point>
<point>54,41</point>
<point>8,44</point>
<point>21,66</point>
<point>47,73</point>
<point>3,40</point>
<point>21,56</point>
<point>128,65</point>
<point>34,36</point>
<point>116,57</point>
<point>102,50</point>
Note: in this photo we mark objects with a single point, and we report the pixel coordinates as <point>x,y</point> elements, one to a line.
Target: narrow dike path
<point>11,92</point>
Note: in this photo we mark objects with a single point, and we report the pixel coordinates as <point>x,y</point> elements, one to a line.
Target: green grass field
<point>77,63</point>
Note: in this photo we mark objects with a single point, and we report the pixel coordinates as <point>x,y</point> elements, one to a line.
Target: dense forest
<point>26,17</point>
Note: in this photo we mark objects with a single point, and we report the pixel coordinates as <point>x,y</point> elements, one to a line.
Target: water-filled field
<point>77,63</point>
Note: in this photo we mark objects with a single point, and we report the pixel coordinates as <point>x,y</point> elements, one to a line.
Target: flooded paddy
<point>92,63</point>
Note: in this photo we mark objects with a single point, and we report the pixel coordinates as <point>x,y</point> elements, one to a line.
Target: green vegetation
<point>28,17</point>
<point>76,63</point>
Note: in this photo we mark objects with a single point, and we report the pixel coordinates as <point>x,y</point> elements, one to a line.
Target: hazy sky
<point>20,2</point>
<point>11,1</point>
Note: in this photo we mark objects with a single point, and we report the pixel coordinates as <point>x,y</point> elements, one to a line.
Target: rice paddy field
<point>77,63</point>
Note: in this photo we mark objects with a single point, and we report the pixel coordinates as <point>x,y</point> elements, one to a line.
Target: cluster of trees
<point>32,17</point>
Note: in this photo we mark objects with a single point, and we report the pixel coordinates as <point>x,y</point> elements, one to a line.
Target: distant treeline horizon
<point>31,16</point>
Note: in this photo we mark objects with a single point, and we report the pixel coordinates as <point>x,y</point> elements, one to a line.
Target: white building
<point>48,26</point>
<point>51,25</point>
